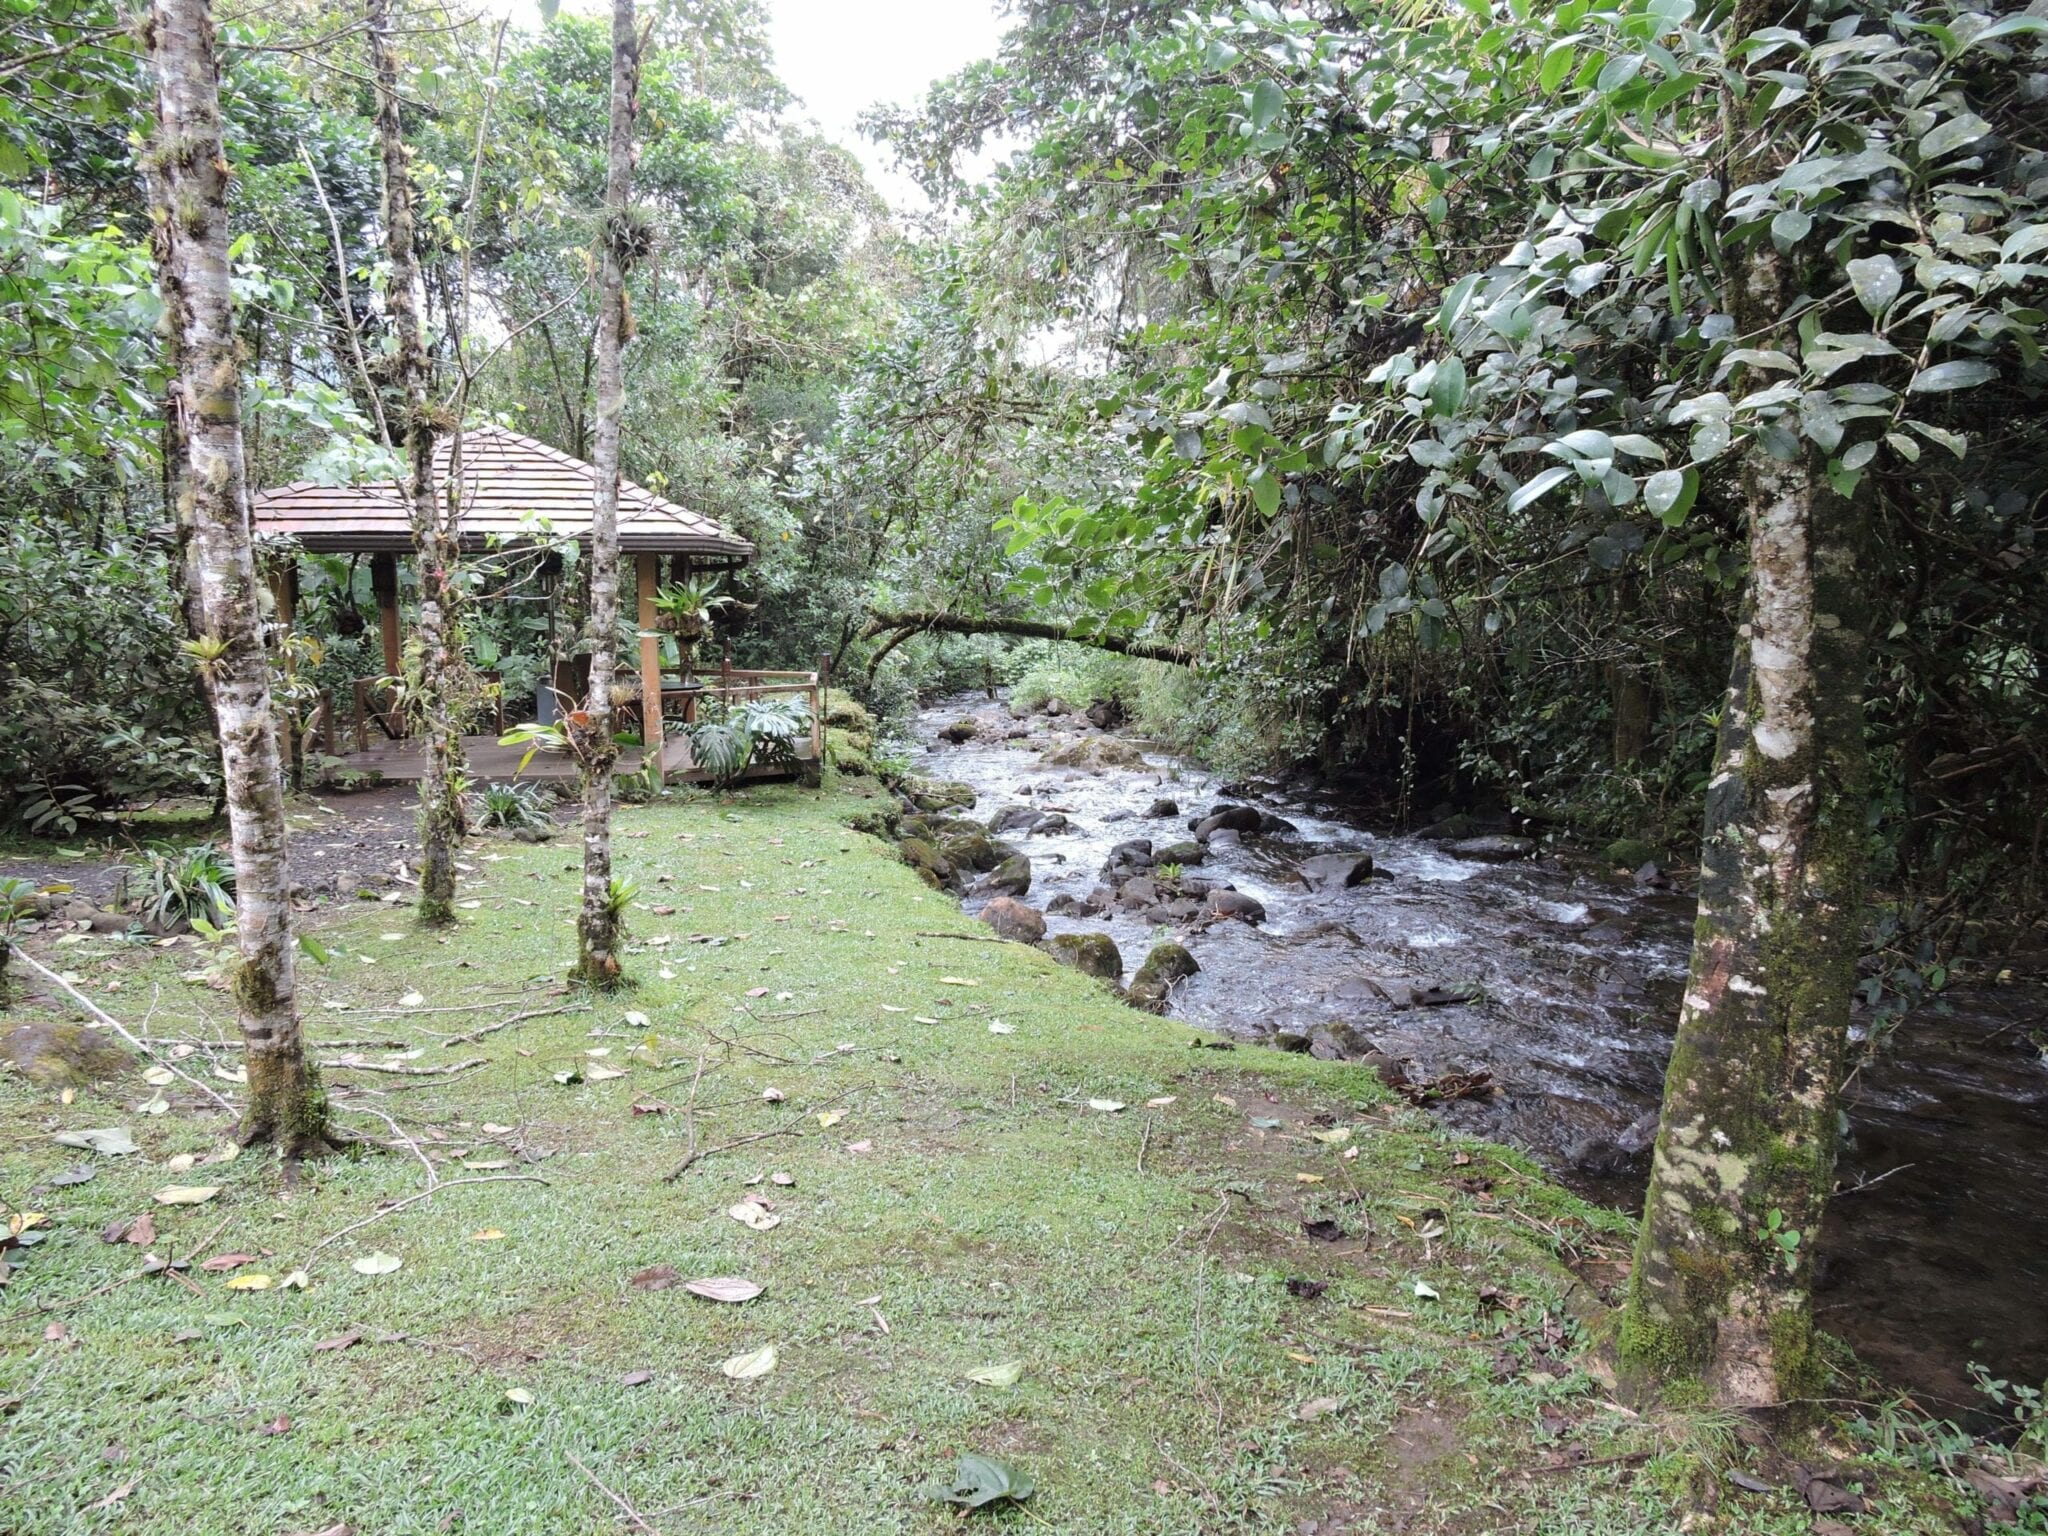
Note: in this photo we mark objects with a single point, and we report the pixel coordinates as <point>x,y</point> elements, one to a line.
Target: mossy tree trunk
<point>1720,1293</point>
<point>432,692</point>
<point>598,928</point>
<point>190,174</point>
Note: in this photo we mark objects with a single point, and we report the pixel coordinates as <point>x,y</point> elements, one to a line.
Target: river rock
<point>1092,954</point>
<point>63,1055</point>
<point>1409,994</point>
<point>1183,854</point>
<point>1160,808</point>
<point>932,866</point>
<point>1227,818</point>
<point>1334,871</point>
<point>973,849</point>
<point>1096,753</point>
<point>962,730</point>
<point>1450,829</point>
<point>1106,714</point>
<point>1049,823</point>
<point>1291,1040</point>
<point>1068,905</point>
<point>1012,920</point>
<point>1271,824</point>
<point>1057,706</point>
<point>1497,849</point>
<point>1631,853</point>
<point>937,794</point>
<point>1166,965</point>
<point>1246,909</point>
<point>1015,818</point>
<point>1012,877</point>
<point>1138,892</point>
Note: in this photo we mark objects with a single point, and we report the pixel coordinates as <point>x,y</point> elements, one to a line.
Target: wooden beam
<point>647,571</point>
<point>384,582</point>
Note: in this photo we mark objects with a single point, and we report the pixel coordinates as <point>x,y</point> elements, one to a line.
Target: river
<point>1570,977</point>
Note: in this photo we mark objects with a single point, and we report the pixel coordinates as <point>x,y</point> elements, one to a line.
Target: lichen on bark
<point>597,928</point>
<point>208,485</point>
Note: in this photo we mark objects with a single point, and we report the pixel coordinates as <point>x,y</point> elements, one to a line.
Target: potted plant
<point>685,610</point>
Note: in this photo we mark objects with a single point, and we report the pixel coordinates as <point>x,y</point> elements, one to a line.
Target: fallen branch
<point>425,1194</point>
<point>343,1064</point>
<point>695,1157</point>
<point>968,938</point>
<point>928,621</point>
<point>117,1026</point>
<point>518,1018</point>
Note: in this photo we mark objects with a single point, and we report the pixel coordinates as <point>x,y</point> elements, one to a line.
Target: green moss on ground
<point>969,1207</point>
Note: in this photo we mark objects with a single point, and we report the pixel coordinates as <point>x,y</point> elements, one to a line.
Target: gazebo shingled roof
<point>506,480</point>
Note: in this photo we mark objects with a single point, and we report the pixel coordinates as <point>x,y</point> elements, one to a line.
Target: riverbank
<point>1230,1290</point>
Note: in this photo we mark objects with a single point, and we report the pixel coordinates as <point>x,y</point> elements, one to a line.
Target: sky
<point>843,56</point>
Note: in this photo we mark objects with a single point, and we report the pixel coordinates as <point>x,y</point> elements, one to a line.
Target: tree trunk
<point>190,170</point>
<point>1746,1150</point>
<point>434,545</point>
<point>598,929</point>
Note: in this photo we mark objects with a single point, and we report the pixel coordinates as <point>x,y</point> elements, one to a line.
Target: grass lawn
<point>961,1199</point>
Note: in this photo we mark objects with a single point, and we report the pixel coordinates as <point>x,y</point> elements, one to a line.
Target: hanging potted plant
<point>685,610</point>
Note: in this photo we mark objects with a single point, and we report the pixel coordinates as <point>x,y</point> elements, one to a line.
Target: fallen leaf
<point>187,1194</point>
<point>860,1148</point>
<point>636,1378</point>
<point>724,1288</point>
<point>226,1261</point>
<point>281,1425</point>
<point>749,1213</point>
<point>998,1027</point>
<point>159,1077</point>
<point>251,1282</point>
<point>411,1000</point>
<point>486,1235</point>
<point>1308,1178</point>
<point>980,1480</point>
<point>1335,1138</point>
<point>830,1117</point>
<point>1316,1407</point>
<point>656,1277</point>
<point>1427,1291</point>
<point>377,1264</point>
<point>297,1280</point>
<point>108,1501</point>
<point>1162,1101</point>
<point>784,1179</point>
<point>892,1008</point>
<point>56,1333</point>
<point>1106,1106</point>
<point>1008,1374</point>
<point>520,1396</point>
<point>340,1341</point>
<point>757,1362</point>
<point>604,1074</point>
<point>757,991</point>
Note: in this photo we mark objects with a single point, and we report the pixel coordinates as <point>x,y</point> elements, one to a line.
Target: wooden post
<point>384,582</point>
<point>647,569</point>
<point>820,698</point>
<point>284,593</point>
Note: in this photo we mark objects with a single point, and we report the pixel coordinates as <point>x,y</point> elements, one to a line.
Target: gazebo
<point>514,491</point>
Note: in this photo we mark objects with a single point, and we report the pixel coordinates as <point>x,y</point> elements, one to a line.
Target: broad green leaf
<point>1531,489</point>
<point>1008,1374</point>
<point>1963,374</point>
<point>1267,102</point>
<point>980,1480</point>
<point>1946,138</point>
<point>756,1362</point>
<point>1876,280</point>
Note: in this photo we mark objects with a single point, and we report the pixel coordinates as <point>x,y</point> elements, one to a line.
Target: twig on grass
<point>425,1194</point>
<point>475,1035</point>
<point>695,1156</point>
<point>343,1064</point>
<point>965,938</point>
<point>626,1510</point>
<point>116,1025</point>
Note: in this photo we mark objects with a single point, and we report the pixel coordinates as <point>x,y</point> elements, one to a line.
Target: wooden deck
<point>404,762</point>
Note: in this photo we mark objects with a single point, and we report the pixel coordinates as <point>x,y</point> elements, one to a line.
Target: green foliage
<point>189,886</point>
<point>762,732</point>
<point>514,807</point>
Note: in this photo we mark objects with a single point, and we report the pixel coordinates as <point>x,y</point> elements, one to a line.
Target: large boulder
<point>1183,854</point>
<point>1632,853</point>
<point>849,714</point>
<point>1092,954</point>
<point>964,729</point>
<point>1497,849</point>
<point>1049,823</point>
<point>1012,877</point>
<point>1334,871</point>
<point>1011,919</point>
<point>1228,818</point>
<point>1138,893</point>
<point>972,848</point>
<point>1160,808</point>
<point>1106,714</point>
<point>1096,753</point>
<point>63,1055</point>
<point>850,752</point>
<point>1235,904</point>
<point>932,866</point>
<point>1166,965</point>
<point>938,794</point>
